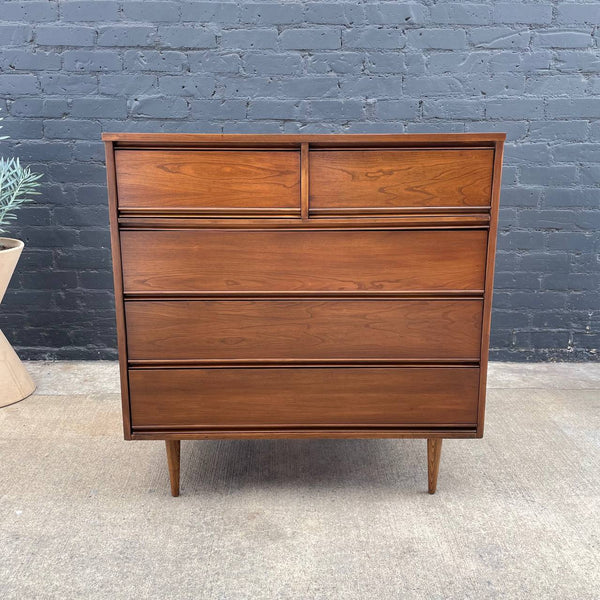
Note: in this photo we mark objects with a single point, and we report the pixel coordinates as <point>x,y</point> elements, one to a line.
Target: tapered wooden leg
<point>434,452</point>
<point>173,459</point>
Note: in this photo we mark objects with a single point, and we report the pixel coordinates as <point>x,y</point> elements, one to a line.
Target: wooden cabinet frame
<point>401,202</point>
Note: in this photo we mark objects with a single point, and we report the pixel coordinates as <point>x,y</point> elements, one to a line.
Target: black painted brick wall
<point>70,70</point>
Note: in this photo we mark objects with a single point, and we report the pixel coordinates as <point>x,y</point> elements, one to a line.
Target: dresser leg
<point>434,452</point>
<point>173,460</point>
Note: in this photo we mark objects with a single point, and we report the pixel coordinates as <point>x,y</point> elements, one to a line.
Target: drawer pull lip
<point>331,426</point>
<point>367,363</point>
<point>393,210</point>
<point>186,211</point>
<point>292,222</point>
<point>306,295</point>
<point>428,210</point>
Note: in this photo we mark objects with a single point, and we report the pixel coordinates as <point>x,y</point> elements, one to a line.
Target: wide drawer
<point>296,260</point>
<point>286,397</point>
<point>303,329</point>
<point>205,179</point>
<point>386,179</point>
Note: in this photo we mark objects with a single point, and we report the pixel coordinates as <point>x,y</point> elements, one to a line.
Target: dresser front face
<point>303,286</point>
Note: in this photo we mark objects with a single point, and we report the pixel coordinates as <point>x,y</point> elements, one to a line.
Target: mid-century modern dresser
<point>307,286</point>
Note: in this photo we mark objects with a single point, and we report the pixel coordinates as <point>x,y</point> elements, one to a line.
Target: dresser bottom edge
<point>308,433</point>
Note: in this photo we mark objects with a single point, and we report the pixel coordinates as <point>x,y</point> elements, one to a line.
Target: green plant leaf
<point>17,186</point>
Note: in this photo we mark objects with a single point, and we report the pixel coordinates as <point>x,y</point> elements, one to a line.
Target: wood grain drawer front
<point>303,329</point>
<point>385,179</point>
<point>294,260</point>
<point>282,397</point>
<point>207,179</point>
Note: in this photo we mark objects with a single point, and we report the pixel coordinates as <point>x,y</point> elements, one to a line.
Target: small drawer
<point>208,260</point>
<point>246,398</point>
<point>197,180</point>
<point>383,180</point>
<point>303,329</point>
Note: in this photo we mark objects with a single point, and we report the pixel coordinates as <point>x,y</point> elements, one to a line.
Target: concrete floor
<point>84,514</point>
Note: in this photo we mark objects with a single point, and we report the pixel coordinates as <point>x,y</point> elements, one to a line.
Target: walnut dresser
<point>307,286</point>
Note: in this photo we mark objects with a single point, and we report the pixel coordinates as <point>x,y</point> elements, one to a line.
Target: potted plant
<point>17,186</point>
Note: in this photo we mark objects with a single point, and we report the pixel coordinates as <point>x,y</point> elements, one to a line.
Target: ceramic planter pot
<point>15,383</point>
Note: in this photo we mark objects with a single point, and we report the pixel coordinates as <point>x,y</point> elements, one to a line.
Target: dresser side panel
<point>489,285</point>
<point>115,243</point>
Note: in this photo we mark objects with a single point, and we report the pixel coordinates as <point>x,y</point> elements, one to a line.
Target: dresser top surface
<point>344,140</point>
